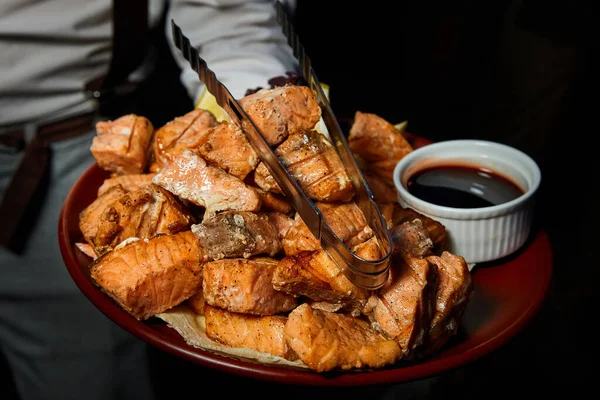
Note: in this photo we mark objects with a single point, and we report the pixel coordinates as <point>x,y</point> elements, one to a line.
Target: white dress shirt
<point>50,49</point>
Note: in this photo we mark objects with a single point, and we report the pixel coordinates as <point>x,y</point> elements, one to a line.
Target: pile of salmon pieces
<point>190,216</point>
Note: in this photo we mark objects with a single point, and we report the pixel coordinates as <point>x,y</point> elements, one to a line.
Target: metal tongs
<point>367,274</point>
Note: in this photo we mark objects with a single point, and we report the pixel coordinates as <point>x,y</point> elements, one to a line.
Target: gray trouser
<point>57,344</point>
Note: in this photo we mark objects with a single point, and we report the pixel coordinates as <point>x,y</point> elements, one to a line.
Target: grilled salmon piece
<point>299,238</point>
<point>129,182</point>
<point>294,276</point>
<point>88,218</point>
<point>143,213</point>
<point>244,285</point>
<point>314,274</point>
<point>185,132</point>
<point>313,162</point>
<point>377,142</point>
<point>147,277</point>
<point>272,202</point>
<point>383,190</point>
<point>398,215</point>
<point>233,234</point>
<point>196,301</point>
<point>346,220</point>
<point>264,179</point>
<point>411,237</point>
<point>403,307</point>
<point>369,250</point>
<point>454,289</point>
<point>387,212</point>
<point>282,111</point>
<point>325,306</point>
<point>282,223</point>
<point>123,146</point>
<point>227,147</point>
<point>189,177</point>
<point>260,333</point>
<point>328,341</point>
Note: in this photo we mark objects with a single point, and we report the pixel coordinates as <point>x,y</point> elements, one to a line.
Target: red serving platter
<point>507,293</point>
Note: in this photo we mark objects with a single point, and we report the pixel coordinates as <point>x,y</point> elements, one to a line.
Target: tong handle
<point>365,198</point>
<point>310,214</point>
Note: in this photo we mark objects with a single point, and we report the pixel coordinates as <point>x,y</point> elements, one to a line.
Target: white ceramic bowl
<point>477,234</point>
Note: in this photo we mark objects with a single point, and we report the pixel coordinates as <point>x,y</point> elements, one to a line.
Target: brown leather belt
<point>21,190</point>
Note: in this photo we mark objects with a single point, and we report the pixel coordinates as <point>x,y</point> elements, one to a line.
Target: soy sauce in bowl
<point>462,187</point>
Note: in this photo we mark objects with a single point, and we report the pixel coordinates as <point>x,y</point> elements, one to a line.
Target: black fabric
<point>161,96</point>
<point>129,48</point>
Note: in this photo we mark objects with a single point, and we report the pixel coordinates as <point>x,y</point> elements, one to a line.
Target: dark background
<point>522,73</point>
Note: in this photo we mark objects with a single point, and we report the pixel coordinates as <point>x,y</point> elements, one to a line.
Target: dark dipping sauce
<point>462,187</point>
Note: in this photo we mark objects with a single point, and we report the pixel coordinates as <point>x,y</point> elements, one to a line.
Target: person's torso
<point>50,51</point>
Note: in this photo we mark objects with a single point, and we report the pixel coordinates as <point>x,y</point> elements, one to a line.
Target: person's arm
<point>240,41</point>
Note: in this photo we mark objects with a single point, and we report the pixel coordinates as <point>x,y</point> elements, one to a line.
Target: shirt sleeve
<point>241,41</point>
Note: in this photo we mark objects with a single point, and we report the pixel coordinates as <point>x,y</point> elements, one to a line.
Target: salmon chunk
<point>369,250</point>
<point>189,177</point>
<point>143,213</point>
<point>299,238</point>
<point>314,163</point>
<point>328,341</point>
<point>282,111</point>
<point>377,142</point>
<point>185,132</point>
<point>383,190</point>
<point>129,182</point>
<point>123,146</point>
<point>260,333</point>
<point>346,220</point>
<point>454,289</point>
<point>387,212</point>
<point>196,301</point>
<point>147,277</point>
<point>233,234</point>
<point>315,275</point>
<point>294,276</point>
<point>273,202</point>
<point>244,286</point>
<point>282,223</point>
<point>89,217</point>
<point>411,237</point>
<point>398,215</point>
<point>264,180</point>
<point>404,305</point>
<point>227,147</point>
